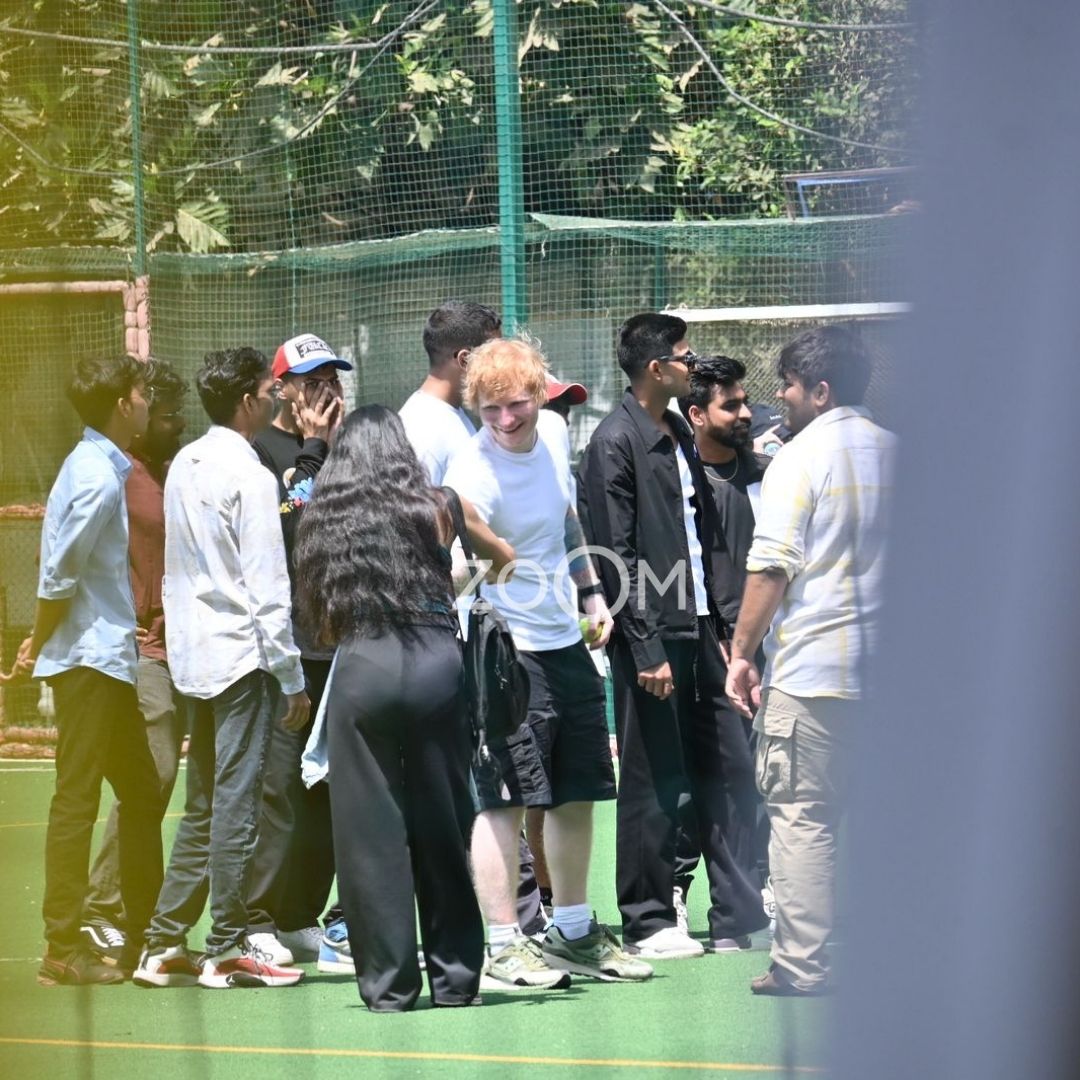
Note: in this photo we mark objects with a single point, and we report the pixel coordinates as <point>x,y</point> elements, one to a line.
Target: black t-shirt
<point>295,462</point>
<point>728,485</point>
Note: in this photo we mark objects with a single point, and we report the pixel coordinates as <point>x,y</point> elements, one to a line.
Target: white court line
<point>45,766</point>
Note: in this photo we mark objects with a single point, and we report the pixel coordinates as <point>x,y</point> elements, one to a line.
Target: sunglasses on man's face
<point>689,358</point>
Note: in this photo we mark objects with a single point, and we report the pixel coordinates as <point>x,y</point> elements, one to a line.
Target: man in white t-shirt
<point>552,424</point>
<point>438,427</point>
<point>522,487</point>
<point>434,420</point>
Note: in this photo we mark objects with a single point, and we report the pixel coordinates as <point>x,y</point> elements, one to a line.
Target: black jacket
<point>630,501</point>
<point>295,462</point>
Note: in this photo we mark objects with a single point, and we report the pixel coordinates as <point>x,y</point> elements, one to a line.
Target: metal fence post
<point>134,82</point>
<point>511,189</point>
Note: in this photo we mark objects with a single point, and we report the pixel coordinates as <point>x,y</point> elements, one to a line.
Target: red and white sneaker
<point>244,966</point>
<point>170,965</point>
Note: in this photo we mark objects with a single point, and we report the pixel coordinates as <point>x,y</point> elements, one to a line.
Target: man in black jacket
<point>644,498</point>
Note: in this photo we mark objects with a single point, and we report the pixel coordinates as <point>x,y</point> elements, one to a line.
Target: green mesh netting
<point>343,167</point>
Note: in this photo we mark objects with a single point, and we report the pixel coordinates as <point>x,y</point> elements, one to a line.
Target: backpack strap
<point>471,661</point>
<point>457,516</point>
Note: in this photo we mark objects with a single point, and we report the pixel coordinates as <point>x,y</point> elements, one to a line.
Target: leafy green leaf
<point>200,225</point>
<point>158,85</point>
<point>421,82</point>
<point>279,76</point>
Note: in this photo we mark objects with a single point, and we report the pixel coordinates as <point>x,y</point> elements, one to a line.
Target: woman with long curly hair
<point>373,573</point>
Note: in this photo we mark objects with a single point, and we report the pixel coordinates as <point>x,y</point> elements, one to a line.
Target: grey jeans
<point>166,726</point>
<point>215,842</point>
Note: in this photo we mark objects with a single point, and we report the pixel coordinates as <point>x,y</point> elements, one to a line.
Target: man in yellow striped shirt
<point>814,583</point>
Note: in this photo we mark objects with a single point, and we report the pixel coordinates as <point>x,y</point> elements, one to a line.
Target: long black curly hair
<point>367,551</point>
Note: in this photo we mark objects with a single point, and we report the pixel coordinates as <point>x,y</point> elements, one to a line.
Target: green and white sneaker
<point>521,966</point>
<point>598,954</point>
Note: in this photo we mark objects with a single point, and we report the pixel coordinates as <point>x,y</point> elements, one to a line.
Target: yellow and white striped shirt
<point>823,522</point>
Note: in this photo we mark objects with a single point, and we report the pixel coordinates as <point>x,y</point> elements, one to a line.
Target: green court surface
<point>694,1018</point>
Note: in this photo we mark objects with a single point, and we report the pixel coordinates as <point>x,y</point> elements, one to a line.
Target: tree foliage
<point>622,117</point>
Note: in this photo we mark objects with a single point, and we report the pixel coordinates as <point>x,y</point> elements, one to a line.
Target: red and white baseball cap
<point>305,353</point>
<point>574,392</point>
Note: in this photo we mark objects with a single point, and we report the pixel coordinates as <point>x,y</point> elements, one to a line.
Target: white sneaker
<point>303,944</point>
<point>682,922</point>
<point>169,965</point>
<point>335,952</point>
<point>245,966</point>
<point>521,965</point>
<point>671,943</point>
<point>274,951</point>
<point>768,901</point>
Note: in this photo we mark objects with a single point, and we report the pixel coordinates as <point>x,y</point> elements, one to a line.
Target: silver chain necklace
<point>725,479</point>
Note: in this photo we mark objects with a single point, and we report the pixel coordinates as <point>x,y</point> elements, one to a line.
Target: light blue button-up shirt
<point>84,557</point>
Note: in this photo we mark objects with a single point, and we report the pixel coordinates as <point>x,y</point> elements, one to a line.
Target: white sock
<point>500,935</point>
<point>572,921</point>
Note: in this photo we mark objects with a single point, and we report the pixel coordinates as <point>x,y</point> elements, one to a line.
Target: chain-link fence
<point>181,175</point>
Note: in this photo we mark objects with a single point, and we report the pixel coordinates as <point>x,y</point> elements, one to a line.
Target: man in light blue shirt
<point>83,642</point>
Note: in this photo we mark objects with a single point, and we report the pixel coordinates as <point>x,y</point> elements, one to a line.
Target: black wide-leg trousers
<point>399,750</point>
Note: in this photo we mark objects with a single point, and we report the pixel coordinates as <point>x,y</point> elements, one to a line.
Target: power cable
<point>225,50</point>
<point>776,20</point>
<point>733,93</point>
<point>184,170</point>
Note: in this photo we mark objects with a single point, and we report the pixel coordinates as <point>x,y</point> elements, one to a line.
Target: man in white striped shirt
<point>814,576</point>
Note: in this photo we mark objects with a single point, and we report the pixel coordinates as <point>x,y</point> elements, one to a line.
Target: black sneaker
<point>80,967</point>
<point>105,939</point>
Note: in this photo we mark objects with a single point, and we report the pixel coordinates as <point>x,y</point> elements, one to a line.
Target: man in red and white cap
<point>562,396</point>
<point>293,869</point>
<point>311,405</point>
<point>553,423</point>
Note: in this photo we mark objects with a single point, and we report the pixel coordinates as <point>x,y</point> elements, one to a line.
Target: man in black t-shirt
<point>721,419</point>
<point>293,868</point>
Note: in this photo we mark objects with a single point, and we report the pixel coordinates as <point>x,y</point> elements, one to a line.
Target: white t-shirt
<point>436,430</point>
<point>697,568</point>
<point>525,499</point>
<point>551,427</point>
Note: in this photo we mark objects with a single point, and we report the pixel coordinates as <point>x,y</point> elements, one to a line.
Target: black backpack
<point>496,682</point>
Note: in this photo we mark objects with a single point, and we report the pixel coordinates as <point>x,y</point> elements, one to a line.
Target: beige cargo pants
<point>802,765</point>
